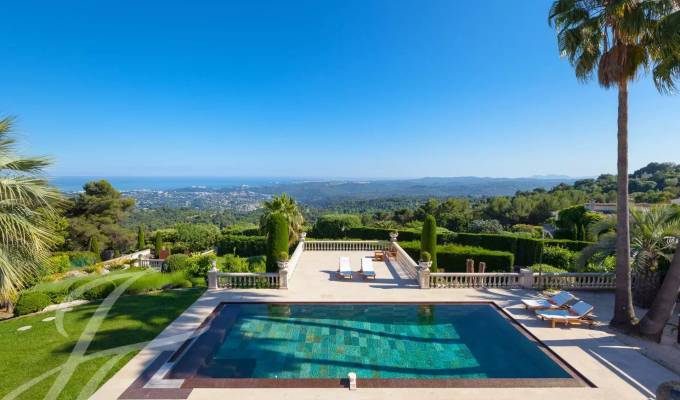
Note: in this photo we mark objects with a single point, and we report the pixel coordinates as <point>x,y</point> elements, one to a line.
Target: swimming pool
<point>386,345</point>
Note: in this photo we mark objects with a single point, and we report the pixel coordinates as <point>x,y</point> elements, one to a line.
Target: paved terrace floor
<point>617,367</point>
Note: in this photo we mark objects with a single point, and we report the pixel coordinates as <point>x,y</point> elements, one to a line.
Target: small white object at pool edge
<point>352,376</point>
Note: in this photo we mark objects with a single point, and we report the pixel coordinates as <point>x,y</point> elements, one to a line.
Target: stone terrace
<point>614,364</point>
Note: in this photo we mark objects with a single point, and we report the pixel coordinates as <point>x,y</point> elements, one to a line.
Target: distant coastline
<point>156,183</point>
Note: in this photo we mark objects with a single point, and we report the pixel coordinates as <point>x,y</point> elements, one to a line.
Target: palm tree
<point>654,235</point>
<point>287,206</point>
<point>26,206</point>
<point>615,40</point>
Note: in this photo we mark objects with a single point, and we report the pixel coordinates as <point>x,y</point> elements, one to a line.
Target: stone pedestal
<point>526,278</point>
<point>283,274</point>
<point>212,276</point>
<point>424,274</point>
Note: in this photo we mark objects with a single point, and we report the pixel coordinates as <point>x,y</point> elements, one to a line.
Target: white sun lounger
<point>367,268</point>
<point>344,269</point>
<point>576,314</point>
<point>557,301</point>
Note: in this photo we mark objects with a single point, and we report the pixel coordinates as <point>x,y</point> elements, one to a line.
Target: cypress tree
<point>159,244</point>
<point>277,239</point>
<point>140,238</point>
<point>93,246</point>
<point>584,233</point>
<point>428,239</point>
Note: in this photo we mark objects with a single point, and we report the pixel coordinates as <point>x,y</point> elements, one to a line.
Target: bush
<point>30,302</point>
<point>277,239</point>
<point>546,268</point>
<point>485,226</point>
<point>185,284</point>
<point>197,281</point>
<point>559,257</point>
<point>155,281</point>
<point>428,241</point>
<point>573,245</point>
<point>58,263</point>
<point>534,231</point>
<point>177,262</point>
<point>81,259</point>
<point>200,265</point>
<point>240,245</point>
<point>334,226</point>
<point>452,257</point>
<point>103,289</point>
<point>198,237</point>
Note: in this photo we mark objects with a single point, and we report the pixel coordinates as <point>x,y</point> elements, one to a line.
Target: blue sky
<point>350,88</point>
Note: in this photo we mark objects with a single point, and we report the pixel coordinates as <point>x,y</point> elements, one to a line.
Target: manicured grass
<point>132,319</point>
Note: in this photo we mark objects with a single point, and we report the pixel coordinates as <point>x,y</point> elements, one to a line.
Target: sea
<point>156,183</point>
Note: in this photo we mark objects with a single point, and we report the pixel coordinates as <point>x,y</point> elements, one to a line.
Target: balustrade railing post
<point>526,278</point>
<point>424,274</point>
<point>212,276</point>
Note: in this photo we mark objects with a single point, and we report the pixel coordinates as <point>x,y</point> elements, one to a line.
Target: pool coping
<point>181,388</point>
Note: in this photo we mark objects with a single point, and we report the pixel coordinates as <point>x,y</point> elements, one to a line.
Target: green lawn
<point>27,355</point>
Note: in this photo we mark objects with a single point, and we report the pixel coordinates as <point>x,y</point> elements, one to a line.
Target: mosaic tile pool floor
<point>375,341</point>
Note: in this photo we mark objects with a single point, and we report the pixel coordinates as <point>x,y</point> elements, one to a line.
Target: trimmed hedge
<point>367,233</point>
<point>573,245</point>
<point>30,302</point>
<point>244,246</point>
<point>527,251</point>
<point>277,239</point>
<point>428,241</point>
<point>452,257</point>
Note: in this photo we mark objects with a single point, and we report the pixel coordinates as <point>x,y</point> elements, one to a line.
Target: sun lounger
<point>576,314</point>
<point>344,269</point>
<point>559,300</point>
<point>367,268</point>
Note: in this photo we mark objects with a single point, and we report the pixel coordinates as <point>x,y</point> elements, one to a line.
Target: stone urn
<point>425,265</point>
<point>283,265</point>
<point>393,236</point>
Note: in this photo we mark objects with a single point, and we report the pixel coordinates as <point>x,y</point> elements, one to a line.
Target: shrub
<point>282,256</point>
<point>428,240</point>
<point>58,263</point>
<point>30,302</point>
<point>452,257</point>
<point>573,245</point>
<point>546,268</point>
<point>244,246</point>
<point>559,257</point>
<point>177,262</point>
<point>155,281</point>
<point>334,226</point>
<point>485,226</point>
<point>534,231</point>
<point>197,281</point>
<point>425,256</point>
<point>103,289</point>
<point>200,265</point>
<point>198,237</point>
<point>93,246</point>
<point>277,239</point>
<point>184,284</point>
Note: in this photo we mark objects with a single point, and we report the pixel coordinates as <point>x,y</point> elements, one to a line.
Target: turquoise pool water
<point>374,340</point>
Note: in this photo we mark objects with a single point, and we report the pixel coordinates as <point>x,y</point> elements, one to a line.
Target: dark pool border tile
<point>137,390</point>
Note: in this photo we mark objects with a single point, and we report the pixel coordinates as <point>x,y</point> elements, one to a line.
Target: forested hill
<point>320,193</point>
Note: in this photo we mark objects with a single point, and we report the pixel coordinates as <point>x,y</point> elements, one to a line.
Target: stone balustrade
<point>154,263</point>
<point>404,261</point>
<point>246,280</point>
<point>346,245</point>
<point>577,280</point>
<point>439,280</point>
